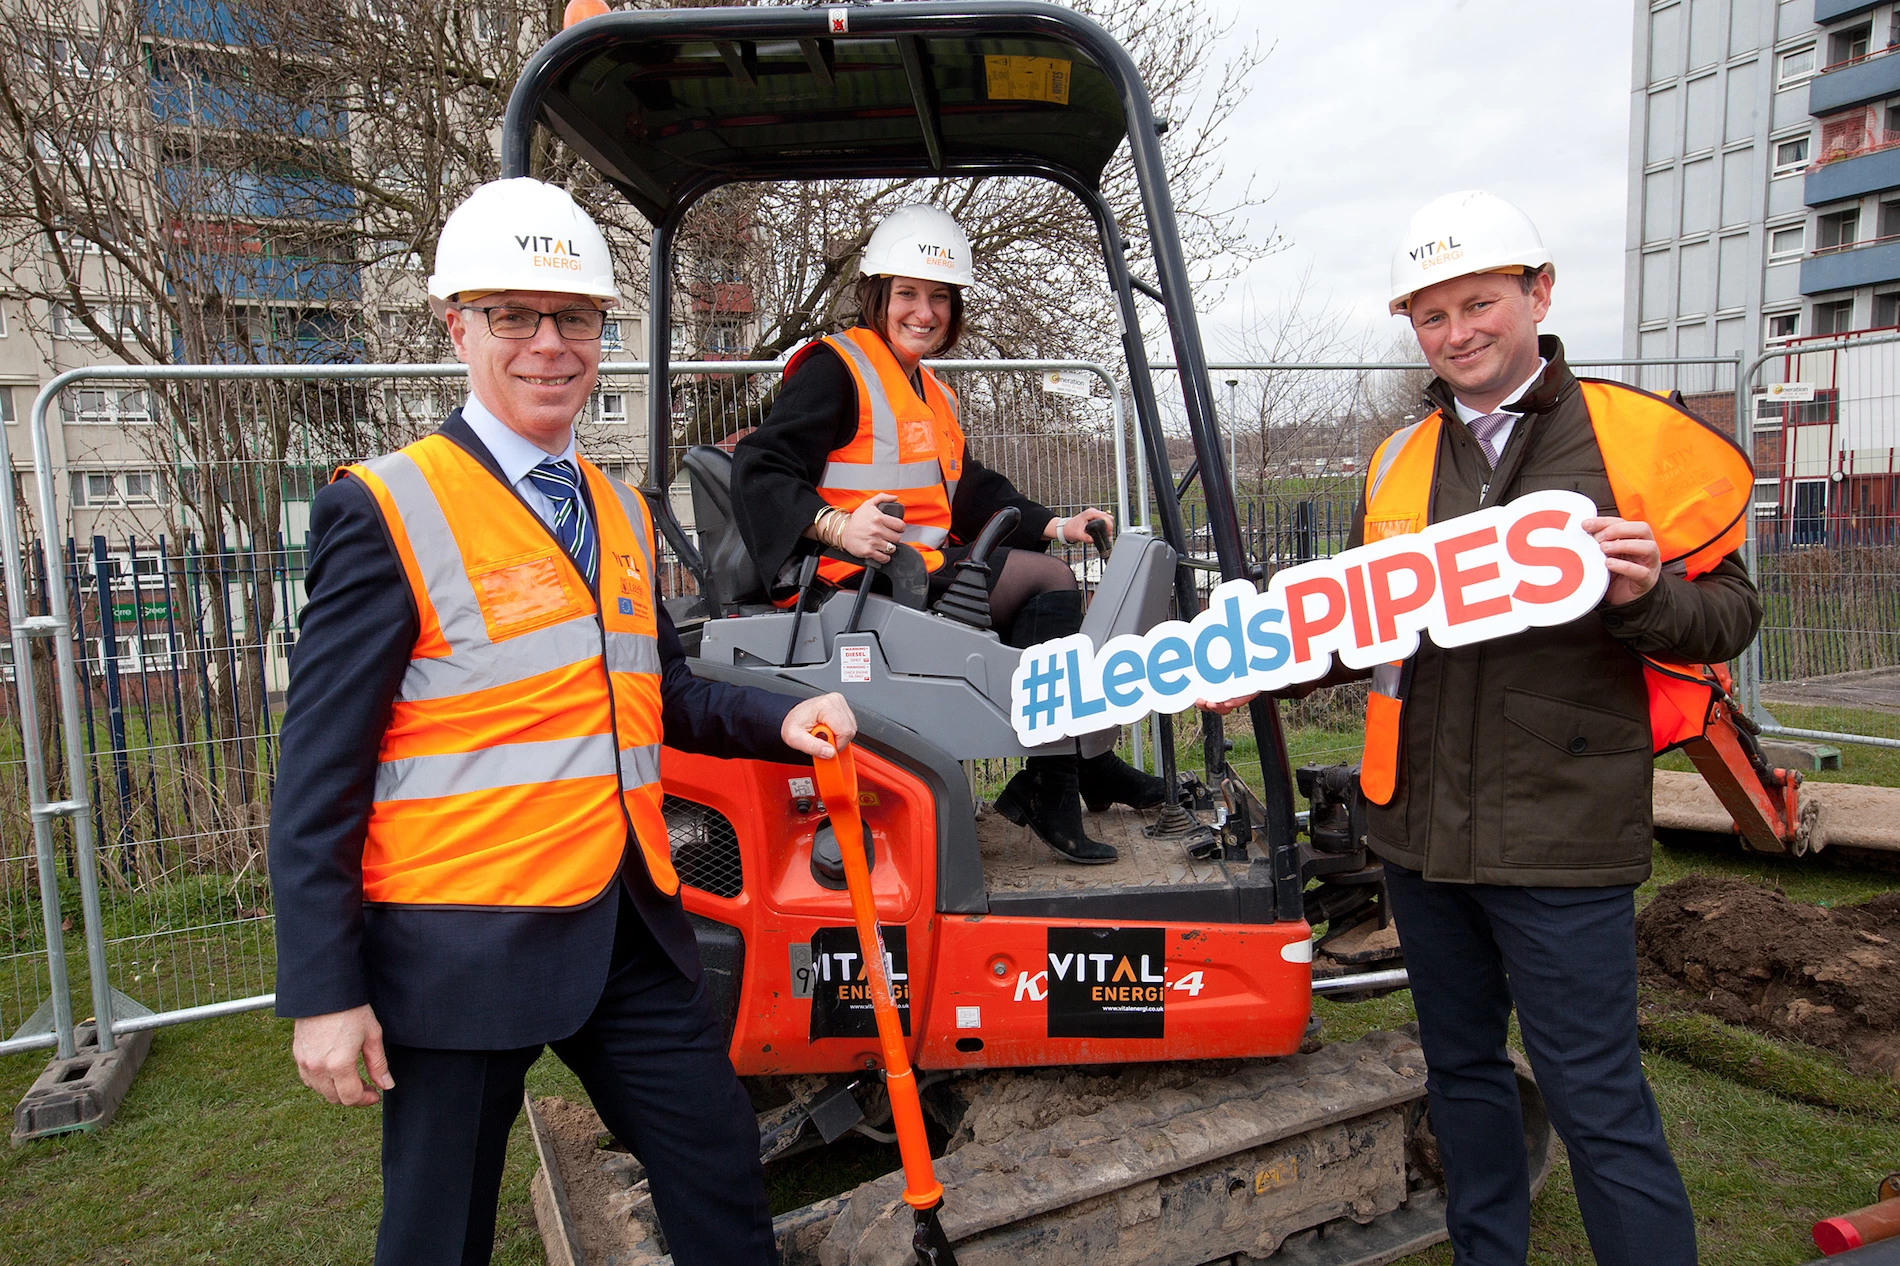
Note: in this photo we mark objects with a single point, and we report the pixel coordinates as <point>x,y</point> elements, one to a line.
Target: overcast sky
<point>1364,112</point>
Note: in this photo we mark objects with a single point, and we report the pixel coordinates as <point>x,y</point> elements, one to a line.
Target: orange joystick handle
<point>838,788</point>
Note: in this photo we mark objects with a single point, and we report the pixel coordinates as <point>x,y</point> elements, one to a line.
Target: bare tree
<point>1041,291</point>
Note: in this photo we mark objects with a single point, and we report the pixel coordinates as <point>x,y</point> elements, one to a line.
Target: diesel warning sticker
<point>1107,982</point>
<point>840,989</point>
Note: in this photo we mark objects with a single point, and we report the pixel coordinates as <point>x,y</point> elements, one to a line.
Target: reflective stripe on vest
<point>524,742</point>
<point>1666,467</point>
<point>910,448</point>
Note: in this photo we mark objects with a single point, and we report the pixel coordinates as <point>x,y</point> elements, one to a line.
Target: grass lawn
<point>220,1155</point>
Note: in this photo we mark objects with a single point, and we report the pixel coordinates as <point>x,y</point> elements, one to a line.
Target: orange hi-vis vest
<point>909,448</point>
<point>524,743</point>
<point>1668,468</point>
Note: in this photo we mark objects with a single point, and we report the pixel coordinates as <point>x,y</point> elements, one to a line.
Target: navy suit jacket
<point>455,979</point>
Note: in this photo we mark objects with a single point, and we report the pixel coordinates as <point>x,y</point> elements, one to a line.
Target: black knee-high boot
<point>1046,796</point>
<point>1106,779</point>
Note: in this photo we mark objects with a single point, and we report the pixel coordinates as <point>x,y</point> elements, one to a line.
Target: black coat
<point>775,471</point>
<point>456,979</point>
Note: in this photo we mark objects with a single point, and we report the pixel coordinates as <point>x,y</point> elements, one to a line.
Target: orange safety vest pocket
<point>518,594</point>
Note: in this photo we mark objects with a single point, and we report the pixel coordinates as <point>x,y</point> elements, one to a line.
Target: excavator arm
<point>1765,802</point>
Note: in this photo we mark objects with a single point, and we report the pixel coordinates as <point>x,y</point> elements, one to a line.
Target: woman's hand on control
<point>1075,528</point>
<point>871,533</point>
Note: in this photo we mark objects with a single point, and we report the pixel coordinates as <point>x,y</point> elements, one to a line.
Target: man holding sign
<point>1509,779</point>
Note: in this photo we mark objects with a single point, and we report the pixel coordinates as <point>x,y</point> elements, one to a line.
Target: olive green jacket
<point>1526,760</point>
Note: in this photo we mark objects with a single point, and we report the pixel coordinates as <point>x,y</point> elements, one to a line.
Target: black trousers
<point>1566,957</point>
<point>654,1061</point>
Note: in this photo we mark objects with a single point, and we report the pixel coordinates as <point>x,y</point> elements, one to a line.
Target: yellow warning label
<point>1277,1175</point>
<point>1028,78</point>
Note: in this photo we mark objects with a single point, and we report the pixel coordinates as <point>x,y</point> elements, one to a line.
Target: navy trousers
<point>653,1059</point>
<point>1566,958</point>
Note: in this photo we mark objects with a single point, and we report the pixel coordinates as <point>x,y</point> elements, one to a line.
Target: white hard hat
<point>1460,234</point>
<point>520,234</point>
<point>919,241</point>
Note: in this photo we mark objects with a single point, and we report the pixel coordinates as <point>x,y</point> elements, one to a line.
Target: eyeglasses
<point>577,325</point>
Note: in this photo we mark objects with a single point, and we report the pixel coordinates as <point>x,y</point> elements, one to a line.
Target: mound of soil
<point>1749,956</point>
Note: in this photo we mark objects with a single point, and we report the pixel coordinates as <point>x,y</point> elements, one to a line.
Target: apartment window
<point>126,320</point>
<point>115,488</point>
<point>1786,244</point>
<point>71,243</point>
<point>66,325</point>
<point>1783,326</point>
<point>4,330</point>
<point>66,55</point>
<point>610,408</point>
<point>105,406</point>
<point>1834,318</point>
<point>1887,310</point>
<point>723,337</point>
<point>6,406</point>
<point>92,488</point>
<point>1888,223</point>
<point>1791,156</point>
<point>1850,44</point>
<point>101,149</point>
<point>1795,66</point>
<point>1838,229</point>
<point>610,335</point>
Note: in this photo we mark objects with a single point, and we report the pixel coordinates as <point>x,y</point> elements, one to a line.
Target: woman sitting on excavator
<point>859,423</point>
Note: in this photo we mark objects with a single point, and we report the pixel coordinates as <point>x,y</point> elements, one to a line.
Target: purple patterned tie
<point>1485,431</point>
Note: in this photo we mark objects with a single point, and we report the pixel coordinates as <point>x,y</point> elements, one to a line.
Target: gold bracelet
<point>829,527</point>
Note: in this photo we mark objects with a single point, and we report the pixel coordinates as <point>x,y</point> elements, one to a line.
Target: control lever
<point>807,573</point>
<point>1098,532</point>
<point>896,510</point>
<point>968,598</point>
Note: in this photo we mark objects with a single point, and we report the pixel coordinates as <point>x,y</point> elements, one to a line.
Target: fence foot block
<point>81,1093</point>
<point>1799,754</point>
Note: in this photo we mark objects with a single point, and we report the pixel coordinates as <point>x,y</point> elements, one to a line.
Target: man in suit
<point>467,846</point>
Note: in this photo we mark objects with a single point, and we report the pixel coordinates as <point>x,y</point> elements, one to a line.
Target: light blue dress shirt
<point>515,455</point>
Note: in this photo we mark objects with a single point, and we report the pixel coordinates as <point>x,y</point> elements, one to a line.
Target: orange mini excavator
<point>1113,1054</point>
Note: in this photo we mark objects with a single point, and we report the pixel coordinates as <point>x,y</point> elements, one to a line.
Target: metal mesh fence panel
<point>1823,416</point>
<point>25,980</point>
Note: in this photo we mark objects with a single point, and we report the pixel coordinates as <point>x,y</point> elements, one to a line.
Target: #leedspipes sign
<point>1479,576</point>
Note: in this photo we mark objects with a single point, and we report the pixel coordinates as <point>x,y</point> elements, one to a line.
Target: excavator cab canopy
<point>705,97</point>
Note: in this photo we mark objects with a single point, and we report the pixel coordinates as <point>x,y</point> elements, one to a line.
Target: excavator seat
<point>739,589</point>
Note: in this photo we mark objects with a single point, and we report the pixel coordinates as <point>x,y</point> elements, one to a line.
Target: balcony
<point>1826,11</point>
<point>1855,82</point>
<point>1851,172</point>
<point>1855,264</point>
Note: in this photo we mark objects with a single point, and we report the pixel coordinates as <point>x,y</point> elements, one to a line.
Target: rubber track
<point>1134,1141</point>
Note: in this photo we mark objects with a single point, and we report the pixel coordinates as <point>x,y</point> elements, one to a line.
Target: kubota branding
<point>1440,251</point>
<point>550,252</point>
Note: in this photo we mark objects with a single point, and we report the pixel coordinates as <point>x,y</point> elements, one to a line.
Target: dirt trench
<point>1749,956</point>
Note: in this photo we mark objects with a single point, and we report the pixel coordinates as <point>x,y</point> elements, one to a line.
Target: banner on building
<point>1480,576</point>
<point>1869,383</point>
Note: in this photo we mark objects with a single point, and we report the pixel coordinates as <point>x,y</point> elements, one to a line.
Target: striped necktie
<point>1485,431</point>
<point>561,484</point>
